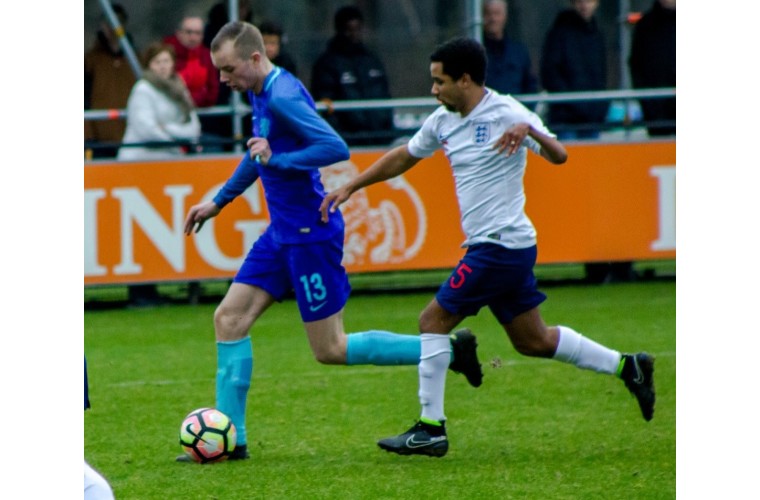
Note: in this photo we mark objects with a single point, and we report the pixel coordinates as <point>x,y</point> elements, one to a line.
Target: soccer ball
<point>207,435</point>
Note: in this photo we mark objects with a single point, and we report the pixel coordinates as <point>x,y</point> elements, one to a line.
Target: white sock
<point>435,356</point>
<point>584,353</point>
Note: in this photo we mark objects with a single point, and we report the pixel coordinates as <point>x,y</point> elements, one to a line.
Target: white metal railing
<point>420,102</point>
<point>409,114</point>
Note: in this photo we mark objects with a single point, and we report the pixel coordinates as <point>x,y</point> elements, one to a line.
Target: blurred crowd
<point>177,77</point>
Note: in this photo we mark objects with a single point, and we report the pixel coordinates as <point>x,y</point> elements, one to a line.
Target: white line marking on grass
<point>352,371</point>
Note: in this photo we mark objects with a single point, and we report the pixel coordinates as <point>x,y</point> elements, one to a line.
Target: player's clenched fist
<point>258,148</point>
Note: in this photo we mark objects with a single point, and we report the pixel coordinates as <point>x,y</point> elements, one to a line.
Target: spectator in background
<point>653,63</point>
<point>273,41</point>
<point>221,125</point>
<point>509,69</point>
<point>575,59</point>
<point>348,70</point>
<point>108,79</point>
<point>193,61</point>
<point>218,17</point>
<point>159,109</point>
<point>193,64</point>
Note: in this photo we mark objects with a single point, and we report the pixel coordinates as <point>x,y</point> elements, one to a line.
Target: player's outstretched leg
<point>376,347</point>
<point>637,371</point>
<point>464,349</point>
<point>421,439</point>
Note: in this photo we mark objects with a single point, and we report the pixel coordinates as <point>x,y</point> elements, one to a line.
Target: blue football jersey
<point>301,142</point>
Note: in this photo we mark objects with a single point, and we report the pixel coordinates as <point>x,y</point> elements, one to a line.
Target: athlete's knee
<point>431,322</point>
<point>435,319</point>
<point>223,319</point>
<point>230,324</point>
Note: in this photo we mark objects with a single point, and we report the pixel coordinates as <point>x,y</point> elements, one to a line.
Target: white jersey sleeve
<point>424,143</point>
<point>535,121</point>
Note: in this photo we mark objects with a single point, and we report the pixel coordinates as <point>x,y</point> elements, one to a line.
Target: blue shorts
<point>494,276</point>
<point>314,271</point>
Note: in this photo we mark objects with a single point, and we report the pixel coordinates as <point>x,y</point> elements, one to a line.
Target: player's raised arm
<point>392,164</point>
<point>551,148</point>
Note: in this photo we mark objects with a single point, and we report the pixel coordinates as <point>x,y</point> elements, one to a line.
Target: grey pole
<point>235,101</point>
<point>625,43</point>
<point>624,30</point>
<point>475,19</point>
<point>123,41</point>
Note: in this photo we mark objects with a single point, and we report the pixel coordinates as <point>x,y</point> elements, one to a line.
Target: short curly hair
<point>462,55</point>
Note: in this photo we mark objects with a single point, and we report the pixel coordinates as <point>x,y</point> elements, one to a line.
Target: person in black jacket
<point>348,70</point>
<point>218,16</point>
<point>274,39</point>
<point>509,69</point>
<point>575,59</point>
<point>653,63</point>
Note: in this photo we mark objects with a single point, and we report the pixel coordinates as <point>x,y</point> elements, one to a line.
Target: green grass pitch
<point>535,429</point>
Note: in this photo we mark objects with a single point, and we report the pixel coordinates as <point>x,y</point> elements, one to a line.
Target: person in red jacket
<point>194,61</point>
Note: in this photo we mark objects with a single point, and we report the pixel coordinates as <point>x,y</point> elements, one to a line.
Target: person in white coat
<point>159,109</point>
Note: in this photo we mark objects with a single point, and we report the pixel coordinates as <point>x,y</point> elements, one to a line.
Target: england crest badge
<point>482,132</point>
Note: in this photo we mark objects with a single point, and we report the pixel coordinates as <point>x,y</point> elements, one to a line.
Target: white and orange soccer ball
<point>207,435</point>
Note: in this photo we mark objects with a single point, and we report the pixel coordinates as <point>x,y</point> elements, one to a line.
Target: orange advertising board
<point>608,202</point>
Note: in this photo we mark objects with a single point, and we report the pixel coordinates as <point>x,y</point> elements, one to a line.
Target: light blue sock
<point>377,347</point>
<point>233,378</point>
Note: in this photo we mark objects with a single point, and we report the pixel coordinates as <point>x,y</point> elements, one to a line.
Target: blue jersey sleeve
<point>245,174</point>
<point>322,145</point>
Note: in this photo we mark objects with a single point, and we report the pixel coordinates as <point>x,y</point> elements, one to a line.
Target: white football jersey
<point>489,185</point>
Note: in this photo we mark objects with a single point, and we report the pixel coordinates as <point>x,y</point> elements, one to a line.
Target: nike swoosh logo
<point>317,308</point>
<point>189,429</point>
<point>196,436</point>
<point>411,443</point>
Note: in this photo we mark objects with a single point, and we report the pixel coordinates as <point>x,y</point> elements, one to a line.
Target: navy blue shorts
<point>314,271</point>
<point>494,276</point>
